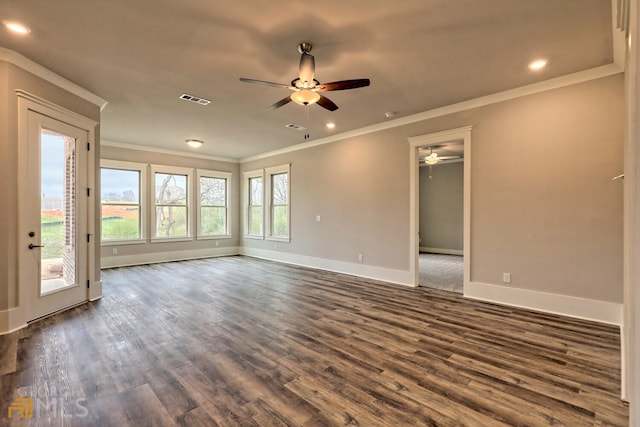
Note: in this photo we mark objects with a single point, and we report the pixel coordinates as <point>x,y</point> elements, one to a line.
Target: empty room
<point>343,214</point>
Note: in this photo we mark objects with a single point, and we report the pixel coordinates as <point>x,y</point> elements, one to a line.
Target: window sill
<point>253,236</point>
<point>171,239</point>
<point>122,242</point>
<point>278,239</point>
<point>215,237</point>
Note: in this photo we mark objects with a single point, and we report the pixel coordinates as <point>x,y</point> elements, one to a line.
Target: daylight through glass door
<point>57,211</point>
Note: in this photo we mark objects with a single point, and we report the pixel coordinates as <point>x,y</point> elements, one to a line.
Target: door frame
<point>459,134</point>
<point>26,103</point>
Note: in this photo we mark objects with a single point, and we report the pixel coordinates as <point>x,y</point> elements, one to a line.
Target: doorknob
<point>31,246</point>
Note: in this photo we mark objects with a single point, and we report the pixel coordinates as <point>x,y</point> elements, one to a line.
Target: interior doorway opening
<point>440,209</point>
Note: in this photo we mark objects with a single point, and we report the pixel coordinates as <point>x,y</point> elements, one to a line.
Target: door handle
<point>31,246</point>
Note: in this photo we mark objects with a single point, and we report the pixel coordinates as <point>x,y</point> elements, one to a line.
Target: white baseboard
<point>157,257</point>
<point>441,251</point>
<point>400,277</point>
<point>581,308</point>
<point>9,321</point>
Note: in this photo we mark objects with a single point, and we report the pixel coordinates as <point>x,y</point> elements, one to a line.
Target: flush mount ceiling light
<point>538,64</point>
<point>194,143</point>
<point>16,27</point>
<point>331,125</point>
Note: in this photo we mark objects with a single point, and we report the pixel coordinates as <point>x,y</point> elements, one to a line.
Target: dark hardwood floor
<point>243,342</point>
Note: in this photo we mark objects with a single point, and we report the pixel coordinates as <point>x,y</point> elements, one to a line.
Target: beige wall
<point>148,157</point>
<point>543,206</point>
<point>11,79</point>
<point>441,206</point>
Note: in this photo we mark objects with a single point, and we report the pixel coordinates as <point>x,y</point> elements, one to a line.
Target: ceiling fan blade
<point>262,82</point>
<point>325,102</point>
<point>307,69</point>
<point>343,85</point>
<point>283,101</point>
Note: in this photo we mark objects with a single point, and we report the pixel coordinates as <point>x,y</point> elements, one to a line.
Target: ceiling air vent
<point>195,99</point>
<point>295,126</point>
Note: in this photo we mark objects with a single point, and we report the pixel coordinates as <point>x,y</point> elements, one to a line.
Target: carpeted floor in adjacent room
<point>439,271</point>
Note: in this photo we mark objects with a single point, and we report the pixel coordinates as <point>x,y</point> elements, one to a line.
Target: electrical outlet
<point>360,257</point>
<point>275,246</point>
<point>114,251</point>
<point>318,218</point>
<point>506,277</point>
<point>217,243</point>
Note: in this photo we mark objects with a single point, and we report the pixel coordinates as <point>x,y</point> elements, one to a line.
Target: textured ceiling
<point>141,55</point>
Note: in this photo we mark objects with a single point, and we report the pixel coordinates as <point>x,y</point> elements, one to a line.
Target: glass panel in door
<point>57,211</point>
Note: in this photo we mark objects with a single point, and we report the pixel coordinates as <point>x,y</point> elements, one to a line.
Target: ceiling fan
<point>433,157</point>
<point>306,89</point>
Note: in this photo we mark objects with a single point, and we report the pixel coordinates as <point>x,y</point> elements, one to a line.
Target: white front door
<point>54,243</point>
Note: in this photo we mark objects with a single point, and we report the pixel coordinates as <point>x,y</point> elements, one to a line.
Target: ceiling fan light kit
<point>305,97</point>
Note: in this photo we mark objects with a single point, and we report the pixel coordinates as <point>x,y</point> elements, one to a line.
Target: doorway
<point>54,209</point>
<point>419,145</point>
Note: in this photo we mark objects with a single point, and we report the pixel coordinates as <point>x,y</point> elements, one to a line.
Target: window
<point>171,202</point>
<point>254,196</point>
<point>278,191</point>
<point>122,201</point>
<point>213,214</point>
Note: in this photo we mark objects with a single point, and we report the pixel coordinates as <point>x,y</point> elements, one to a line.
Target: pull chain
<point>306,121</point>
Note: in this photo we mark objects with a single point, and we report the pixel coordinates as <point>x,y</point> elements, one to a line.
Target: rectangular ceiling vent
<point>295,126</point>
<point>195,99</point>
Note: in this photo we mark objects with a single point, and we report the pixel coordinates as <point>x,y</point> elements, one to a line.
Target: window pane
<point>120,222</point>
<point>171,221</point>
<point>280,221</point>
<point>171,189</point>
<point>213,191</point>
<point>255,220</point>
<point>213,221</point>
<point>279,185</point>
<point>255,189</point>
<point>122,186</point>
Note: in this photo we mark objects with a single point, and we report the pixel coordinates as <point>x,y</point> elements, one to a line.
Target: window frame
<point>269,205</point>
<point>247,176</point>
<point>141,168</point>
<point>172,170</point>
<point>203,173</point>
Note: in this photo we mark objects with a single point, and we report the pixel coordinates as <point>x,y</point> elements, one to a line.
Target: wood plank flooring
<point>243,342</point>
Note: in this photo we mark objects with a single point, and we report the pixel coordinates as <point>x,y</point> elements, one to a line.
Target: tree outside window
<point>171,205</point>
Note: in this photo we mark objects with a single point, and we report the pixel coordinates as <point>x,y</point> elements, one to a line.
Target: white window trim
<point>174,170</point>
<point>142,199</point>
<point>245,202</point>
<point>220,175</point>
<point>268,226</point>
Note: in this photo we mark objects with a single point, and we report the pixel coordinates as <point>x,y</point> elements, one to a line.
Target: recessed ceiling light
<point>16,27</point>
<point>331,125</point>
<point>194,143</point>
<point>538,64</point>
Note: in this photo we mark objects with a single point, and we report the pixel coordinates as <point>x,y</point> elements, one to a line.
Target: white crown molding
<point>565,305</point>
<point>556,83</point>
<point>38,70</point>
<point>147,148</point>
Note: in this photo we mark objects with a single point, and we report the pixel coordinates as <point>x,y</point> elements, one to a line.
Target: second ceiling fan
<point>306,89</point>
